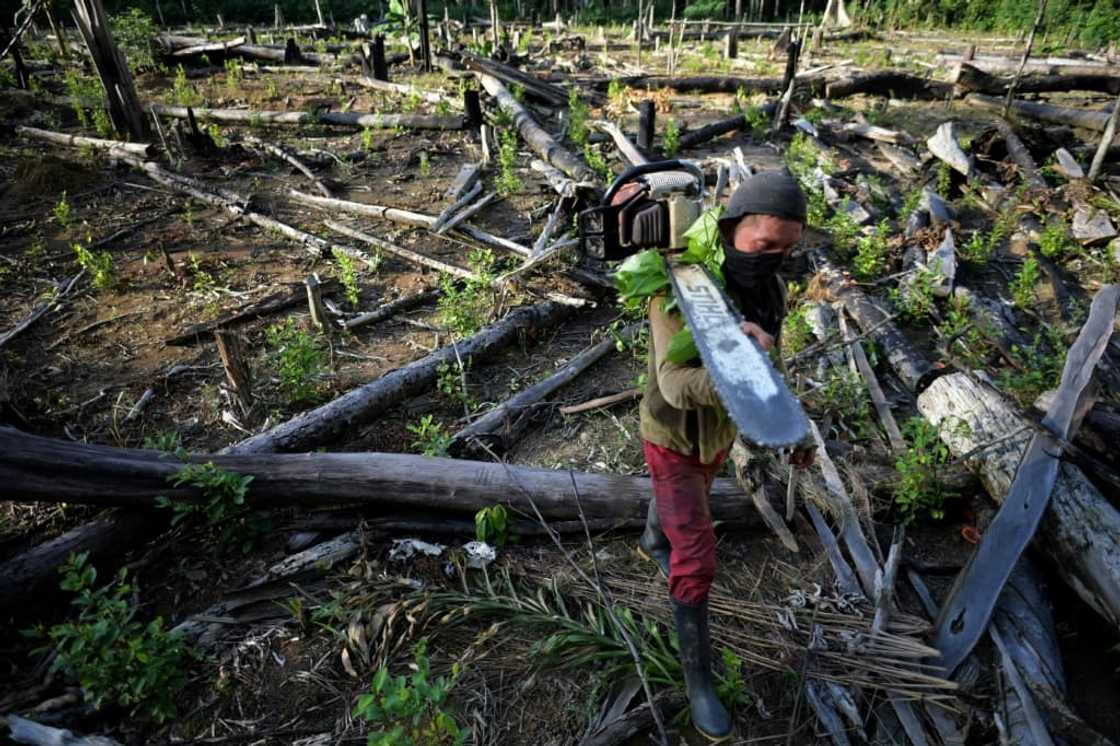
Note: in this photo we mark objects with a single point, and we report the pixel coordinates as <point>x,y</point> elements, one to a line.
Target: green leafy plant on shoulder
<point>491,525</point>
<point>920,489</point>
<point>640,277</point>
<point>507,182</point>
<point>432,439</point>
<point>298,358</point>
<point>409,711</point>
<point>1023,284</point>
<point>223,504</point>
<point>116,658</point>
<point>99,265</point>
<point>671,138</point>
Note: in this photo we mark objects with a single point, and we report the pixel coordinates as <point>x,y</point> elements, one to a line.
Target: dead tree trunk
<point>1084,118</point>
<point>353,119</point>
<point>48,469</point>
<point>971,78</point>
<point>124,107</point>
<point>540,141</point>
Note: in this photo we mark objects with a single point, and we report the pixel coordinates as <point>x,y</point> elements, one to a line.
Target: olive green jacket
<point>680,409</point>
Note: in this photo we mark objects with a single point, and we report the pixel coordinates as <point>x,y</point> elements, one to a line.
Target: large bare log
<point>328,422</point>
<point>1036,66</point>
<point>540,141</point>
<point>893,83</point>
<point>502,424</point>
<point>1081,529</point>
<point>722,83</point>
<point>551,94</point>
<point>47,469</point>
<point>283,54</point>
<point>352,119</point>
<point>968,77</point>
<point>77,141</point>
<point>1049,113</point>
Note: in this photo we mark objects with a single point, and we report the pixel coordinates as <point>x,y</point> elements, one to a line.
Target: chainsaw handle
<point>642,169</point>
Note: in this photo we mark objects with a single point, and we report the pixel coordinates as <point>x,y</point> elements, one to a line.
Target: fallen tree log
<point>48,469</point>
<point>328,422</point>
<point>405,217</point>
<point>1033,66</point>
<point>695,137</point>
<point>540,141</point>
<point>1081,529</point>
<point>1049,113</point>
<point>551,94</point>
<point>172,43</point>
<point>893,83</point>
<point>352,119</point>
<point>146,150</point>
<point>721,83</point>
<point>968,77</point>
<point>505,422</point>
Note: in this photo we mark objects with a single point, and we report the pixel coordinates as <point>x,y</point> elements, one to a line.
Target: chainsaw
<point>651,206</point>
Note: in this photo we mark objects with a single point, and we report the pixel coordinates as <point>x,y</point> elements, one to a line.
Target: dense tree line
<point>1084,23</point>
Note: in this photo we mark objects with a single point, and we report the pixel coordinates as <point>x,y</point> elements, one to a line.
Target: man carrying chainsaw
<point>687,432</point>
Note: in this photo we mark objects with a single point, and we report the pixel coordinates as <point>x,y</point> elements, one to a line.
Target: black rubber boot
<point>709,716</point>
<point>654,544</point>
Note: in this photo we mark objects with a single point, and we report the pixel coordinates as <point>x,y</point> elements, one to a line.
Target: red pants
<point>680,486</point>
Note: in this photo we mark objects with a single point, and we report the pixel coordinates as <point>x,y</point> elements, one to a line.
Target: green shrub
<point>1039,366</point>
<point>597,162</point>
<point>99,265</point>
<point>508,182</point>
<point>578,114</point>
<point>348,276</point>
<point>114,657</point>
<point>872,253</point>
<point>671,138</point>
<point>61,211</point>
<point>920,491</point>
<point>409,711</point>
<point>915,300</point>
<point>491,525</point>
<point>1055,243</point>
<point>1022,286</point>
<point>182,92</point>
<point>224,507</point>
<point>450,380</point>
<point>298,358</point>
<point>431,437</point>
<point>796,332</point>
<point>465,306</point>
<point>133,30</point>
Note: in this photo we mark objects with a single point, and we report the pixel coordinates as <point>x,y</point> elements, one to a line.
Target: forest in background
<point>1084,23</point>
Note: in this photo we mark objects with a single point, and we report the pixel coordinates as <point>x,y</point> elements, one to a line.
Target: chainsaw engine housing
<point>649,206</point>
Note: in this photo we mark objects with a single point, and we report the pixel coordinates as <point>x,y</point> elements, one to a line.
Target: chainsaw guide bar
<point>753,392</point>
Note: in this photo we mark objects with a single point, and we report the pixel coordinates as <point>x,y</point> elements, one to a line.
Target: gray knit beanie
<point>766,193</point>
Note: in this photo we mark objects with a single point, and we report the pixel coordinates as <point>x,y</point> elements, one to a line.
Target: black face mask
<point>745,271</point>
